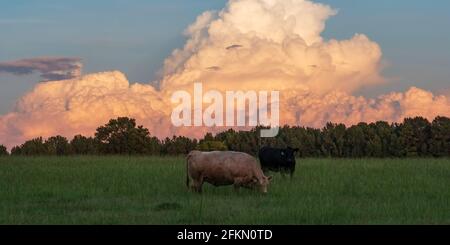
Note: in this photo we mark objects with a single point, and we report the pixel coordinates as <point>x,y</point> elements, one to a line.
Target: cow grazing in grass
<point>278,160</point>
<point>225,168</point>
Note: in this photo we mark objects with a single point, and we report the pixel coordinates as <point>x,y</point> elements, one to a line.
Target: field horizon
<point>151,190</point>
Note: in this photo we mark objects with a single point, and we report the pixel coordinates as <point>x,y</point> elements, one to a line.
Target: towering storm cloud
<point>50,68</point>
<point>249,45</point>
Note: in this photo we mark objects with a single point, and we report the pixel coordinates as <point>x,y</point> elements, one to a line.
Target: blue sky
<point>134,36</point>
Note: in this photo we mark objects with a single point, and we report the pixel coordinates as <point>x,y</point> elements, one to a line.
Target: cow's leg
<point>236,187</point>
<point>193,186</point>
<point>199,188</point>
<point>291,172</point>
<point>197,185</point>
<point>238,182</point>
<point>283,173</point>
<point>200,185</point>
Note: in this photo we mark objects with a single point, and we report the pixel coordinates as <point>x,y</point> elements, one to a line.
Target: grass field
<point>142,190</point>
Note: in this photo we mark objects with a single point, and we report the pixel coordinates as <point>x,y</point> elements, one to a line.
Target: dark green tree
<point>34,147</point>
<point>440,137</point>
<point>384,132</point>
<point>333,140</point>
<point>178,145</point>
<point>122,136</point>
<point>82,145</point>
<point>305,141</point>
<point>207,145</point>
<point>3,151</point>
<point>208,137</point>
<point>58,145</point>
<point>16,151</point>
<point>354,142</point>
<point>396,148</point>
<point>243,141</point>
<point>414,135</point>
<point>373,146</point>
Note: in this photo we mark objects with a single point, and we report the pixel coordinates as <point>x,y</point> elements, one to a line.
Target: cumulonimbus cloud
<point>249,45</point>
<point>50,68</point>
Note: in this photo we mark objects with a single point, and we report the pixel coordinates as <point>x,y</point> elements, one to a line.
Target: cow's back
<point>221,168</point>
<point>278,160</point>
<point>269,157</point>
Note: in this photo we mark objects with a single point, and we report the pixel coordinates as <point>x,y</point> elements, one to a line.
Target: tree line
<point>414,137</point>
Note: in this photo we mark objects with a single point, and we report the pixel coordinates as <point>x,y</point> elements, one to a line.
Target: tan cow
<point>225,168</point>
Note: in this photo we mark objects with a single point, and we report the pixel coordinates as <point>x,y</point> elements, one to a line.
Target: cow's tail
<point>187,168</point>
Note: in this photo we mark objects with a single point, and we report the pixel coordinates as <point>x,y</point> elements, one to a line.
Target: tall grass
<point>151,190</point>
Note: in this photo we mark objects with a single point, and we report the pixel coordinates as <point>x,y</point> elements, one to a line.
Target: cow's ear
<point>270,178</point>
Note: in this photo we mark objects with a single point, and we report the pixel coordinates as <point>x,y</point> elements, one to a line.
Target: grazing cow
<point>225,168</point>
<point>278,160</point>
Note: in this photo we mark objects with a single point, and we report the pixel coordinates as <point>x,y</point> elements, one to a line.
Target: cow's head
<point>262,183</point>
<point>288,155</point>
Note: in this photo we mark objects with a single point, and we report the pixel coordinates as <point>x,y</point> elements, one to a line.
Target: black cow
<point>278,160</point>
